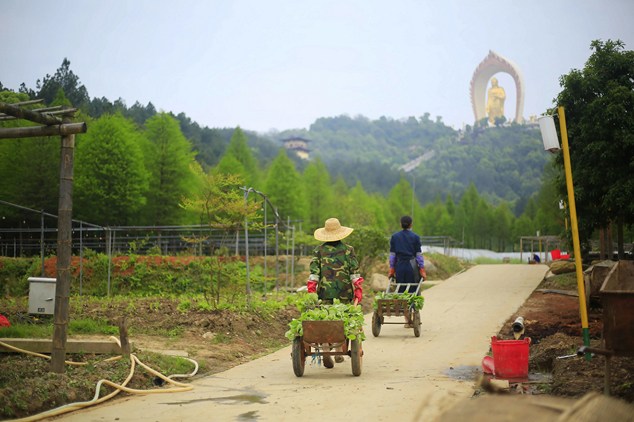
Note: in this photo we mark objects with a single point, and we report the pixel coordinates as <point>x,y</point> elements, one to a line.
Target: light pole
<point>551,143</point>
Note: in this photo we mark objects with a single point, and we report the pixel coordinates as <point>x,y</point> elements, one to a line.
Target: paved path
<point>404,377</point>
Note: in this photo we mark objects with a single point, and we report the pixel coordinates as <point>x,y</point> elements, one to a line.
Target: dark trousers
<point>407,272</point>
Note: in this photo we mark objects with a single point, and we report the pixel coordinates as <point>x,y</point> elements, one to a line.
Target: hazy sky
<point>281,64</point>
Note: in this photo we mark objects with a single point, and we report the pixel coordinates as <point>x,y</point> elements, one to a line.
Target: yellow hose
<point>68,362</point>
<point>118,387</point>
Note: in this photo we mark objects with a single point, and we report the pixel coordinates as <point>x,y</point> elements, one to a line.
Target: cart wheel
<point>299,356</point>
<point>356,356</point>
<point>376,324</point>
<point>416,323</point>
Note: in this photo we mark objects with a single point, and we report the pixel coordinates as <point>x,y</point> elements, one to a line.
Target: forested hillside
<point>140,166</point>
<point>504,163</point>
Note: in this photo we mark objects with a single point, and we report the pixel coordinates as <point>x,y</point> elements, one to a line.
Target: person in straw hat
<point>334,270</point>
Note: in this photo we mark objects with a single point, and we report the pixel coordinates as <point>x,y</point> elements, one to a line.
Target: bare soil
<point>552,321</point>
<point>219,340</point>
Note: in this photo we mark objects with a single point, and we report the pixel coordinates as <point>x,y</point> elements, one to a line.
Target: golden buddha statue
<point>495,101</point>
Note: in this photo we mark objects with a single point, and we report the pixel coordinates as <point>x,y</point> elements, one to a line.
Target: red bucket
<point>510,358</point>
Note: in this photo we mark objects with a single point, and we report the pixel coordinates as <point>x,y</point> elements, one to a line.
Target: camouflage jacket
<point>334,266</point>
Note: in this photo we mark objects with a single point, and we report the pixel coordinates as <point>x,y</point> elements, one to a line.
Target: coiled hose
<point>118,387</point>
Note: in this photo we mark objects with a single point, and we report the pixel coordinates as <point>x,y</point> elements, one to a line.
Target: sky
<point>273,65</point>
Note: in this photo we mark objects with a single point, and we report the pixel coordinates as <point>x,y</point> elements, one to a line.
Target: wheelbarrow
<point>396,307</point>
<point>325,338</point>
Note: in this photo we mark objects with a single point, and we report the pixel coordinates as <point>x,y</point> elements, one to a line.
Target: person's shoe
<point>338,358</point>
<point>408,325</point>
<point>328,363</point>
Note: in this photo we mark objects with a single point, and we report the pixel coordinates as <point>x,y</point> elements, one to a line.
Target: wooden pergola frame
<point>546,241</point>
<point>53,121</point>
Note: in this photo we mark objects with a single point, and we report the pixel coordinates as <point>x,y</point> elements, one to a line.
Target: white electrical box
<point>42,295</point>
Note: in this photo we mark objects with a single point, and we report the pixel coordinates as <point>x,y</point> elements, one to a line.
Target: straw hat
<point>332,231</point>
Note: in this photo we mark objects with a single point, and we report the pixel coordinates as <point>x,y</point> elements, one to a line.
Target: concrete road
<point>404,377</point>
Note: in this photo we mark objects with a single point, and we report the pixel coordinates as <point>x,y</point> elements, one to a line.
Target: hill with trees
<point>505,163</point>
<point>144,164</point>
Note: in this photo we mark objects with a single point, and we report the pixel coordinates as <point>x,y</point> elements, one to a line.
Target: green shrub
<point>14,274</point>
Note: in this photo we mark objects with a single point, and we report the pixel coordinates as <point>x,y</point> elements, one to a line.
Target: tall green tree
<point>502,225</point>
<point>284,188</point>
<point>219,204</point>
<point>230,165</point>
<point>435,220</point>
<point>549,218</point>
<point>363,211</point>
<point>239,149</point>
<point>482,224</point>
<point>400,202</point>
<point>319,194</point>
<point>168,158</point>
<point>68,82</point>
<point>464,220</point>
<point>110,177</point>
<point>598,101</point>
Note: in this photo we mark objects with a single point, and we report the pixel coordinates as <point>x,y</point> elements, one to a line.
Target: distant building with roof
<point>299,145</point>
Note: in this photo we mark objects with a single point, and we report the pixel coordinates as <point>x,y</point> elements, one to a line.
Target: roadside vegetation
<point>169,303</point>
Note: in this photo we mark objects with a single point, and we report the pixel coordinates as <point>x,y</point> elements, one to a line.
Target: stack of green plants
<point>351,315</point>
<point>413,300</point>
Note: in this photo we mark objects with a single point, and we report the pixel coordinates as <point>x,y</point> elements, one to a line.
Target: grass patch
<point>91,326</point>
<point>566,281</point>
<point>21,330</point>
<point>169,365</point>
<point>444,266</point>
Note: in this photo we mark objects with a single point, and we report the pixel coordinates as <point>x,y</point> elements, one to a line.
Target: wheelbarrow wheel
<point>299,356</point>
<point>356,356</point>
<point>376,324</point>
<point>416,322</point>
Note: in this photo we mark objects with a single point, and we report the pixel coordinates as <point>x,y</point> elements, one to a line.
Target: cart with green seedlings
<point>398,302</point>
<point>327,331</point>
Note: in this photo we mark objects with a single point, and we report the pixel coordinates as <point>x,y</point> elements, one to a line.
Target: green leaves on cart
<point>351,315</point>
<point>413,300</point>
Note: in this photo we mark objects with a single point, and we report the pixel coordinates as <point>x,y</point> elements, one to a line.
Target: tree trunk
<point>609,243</point>
<point>619,237</point>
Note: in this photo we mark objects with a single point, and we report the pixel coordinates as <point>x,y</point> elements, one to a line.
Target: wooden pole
<point>31,115</point>
<point>123,337</point>
<point>64,244</point>
<point>48,110</point>
<point>64,129</point>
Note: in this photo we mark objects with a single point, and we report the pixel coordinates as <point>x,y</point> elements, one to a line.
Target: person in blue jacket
<point>406,258</point>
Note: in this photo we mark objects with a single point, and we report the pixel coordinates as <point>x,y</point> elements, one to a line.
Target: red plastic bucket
<point>510,358</point>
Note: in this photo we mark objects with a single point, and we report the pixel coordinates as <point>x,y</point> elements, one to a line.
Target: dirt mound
<point>553,323</point>
<point>545,353</point>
